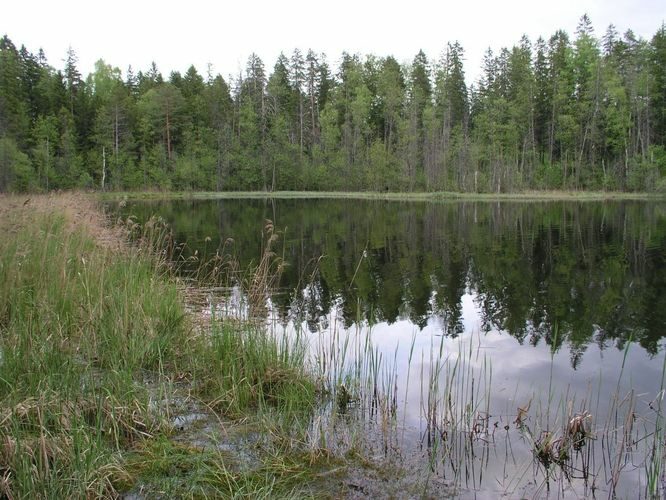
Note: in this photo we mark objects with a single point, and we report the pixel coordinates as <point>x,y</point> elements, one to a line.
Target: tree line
<point>567,112</point>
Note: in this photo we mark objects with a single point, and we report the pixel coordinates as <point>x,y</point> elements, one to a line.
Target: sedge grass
<point>555,439</point>
<point>78,322</point>
<point>93,334</point>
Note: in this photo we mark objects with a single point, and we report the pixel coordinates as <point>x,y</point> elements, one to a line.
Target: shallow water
<point>555,306</point>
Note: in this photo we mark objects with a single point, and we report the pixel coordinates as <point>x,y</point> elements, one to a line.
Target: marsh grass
<point>237,364</point>
<point>555,440</point>
<point>79,320</point>
<point>654,466</point>
<point>176,470</point>
<point>97,349</point>
<point>247,368</point>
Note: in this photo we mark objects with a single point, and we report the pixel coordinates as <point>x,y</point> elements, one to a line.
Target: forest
<point>569,112</point>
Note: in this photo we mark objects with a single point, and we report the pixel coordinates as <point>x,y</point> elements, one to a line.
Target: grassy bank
<point>98,355</point>
<point>112,382</point>
<point>528,196</point>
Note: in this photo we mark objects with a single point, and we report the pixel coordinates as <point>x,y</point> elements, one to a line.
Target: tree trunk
<point>47,163</point>
<point>168,132</point>
<point>116,134</point>
<point>219,161</point>
<point>312,117</point>
<point>103,166</point>
<point>300,113</point>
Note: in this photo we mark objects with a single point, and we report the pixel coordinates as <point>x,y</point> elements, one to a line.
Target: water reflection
<point>488,307</point>
<point>558,273</point>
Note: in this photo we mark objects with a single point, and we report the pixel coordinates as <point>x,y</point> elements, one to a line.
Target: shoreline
<point>95,331</point>
<point>527,196</point>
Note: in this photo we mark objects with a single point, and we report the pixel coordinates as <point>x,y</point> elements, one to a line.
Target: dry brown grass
<point>79,210</point>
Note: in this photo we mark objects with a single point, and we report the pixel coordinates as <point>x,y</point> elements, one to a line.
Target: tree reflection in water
<point>592,271</point>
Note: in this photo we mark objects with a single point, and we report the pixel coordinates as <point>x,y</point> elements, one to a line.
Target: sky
<point>223,34</point>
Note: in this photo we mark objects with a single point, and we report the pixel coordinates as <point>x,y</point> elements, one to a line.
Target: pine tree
<point>658,71</point>
<point>419,95</point>
<point>14,109</point>
<point>73,80</point>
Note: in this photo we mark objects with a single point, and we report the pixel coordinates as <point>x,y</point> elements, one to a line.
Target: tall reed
<point>95,343</point>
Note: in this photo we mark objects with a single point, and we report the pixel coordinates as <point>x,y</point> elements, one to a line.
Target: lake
<point>497,323</point>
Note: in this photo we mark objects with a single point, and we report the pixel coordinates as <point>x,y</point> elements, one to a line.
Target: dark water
<point>550,293</point>
<point>593,272</point>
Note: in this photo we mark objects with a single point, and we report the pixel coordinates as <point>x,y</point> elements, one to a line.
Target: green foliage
<point>657,66</point>
<point>16,173</point>
<point>247,368</point>
<point>594,107</point>
<point>91,340</point>
<point>70,311</point>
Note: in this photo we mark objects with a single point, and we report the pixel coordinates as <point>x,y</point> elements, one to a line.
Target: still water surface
<point>560,298</point>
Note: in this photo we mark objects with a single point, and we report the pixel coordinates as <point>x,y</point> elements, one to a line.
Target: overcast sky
<point>177,34</point>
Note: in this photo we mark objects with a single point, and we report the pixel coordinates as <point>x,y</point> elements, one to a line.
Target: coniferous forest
<point>572,111</point>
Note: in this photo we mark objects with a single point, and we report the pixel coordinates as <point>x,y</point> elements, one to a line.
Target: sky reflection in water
<point>548,294</point>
